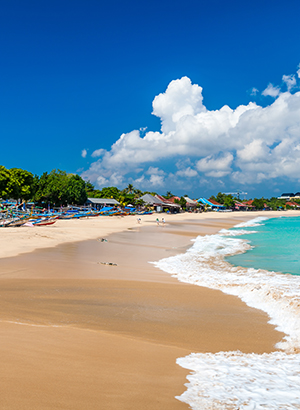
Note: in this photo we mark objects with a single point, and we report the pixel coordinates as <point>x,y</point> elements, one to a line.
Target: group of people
<point>157,221</point>
<point>162,221</point>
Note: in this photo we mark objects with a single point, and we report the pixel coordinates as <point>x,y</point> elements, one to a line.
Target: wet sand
<point>78,334</point>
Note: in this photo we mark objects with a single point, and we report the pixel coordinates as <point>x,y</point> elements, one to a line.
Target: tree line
<point>258,203</point>
<point>59,188</point>
<point>56,187</point>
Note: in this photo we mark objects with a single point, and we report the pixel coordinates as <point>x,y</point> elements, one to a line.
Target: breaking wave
<point>233,380</point>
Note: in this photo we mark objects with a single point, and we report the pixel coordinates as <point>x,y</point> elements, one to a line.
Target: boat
<point>45,222</point>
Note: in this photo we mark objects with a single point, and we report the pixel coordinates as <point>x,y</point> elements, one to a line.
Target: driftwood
<point>108,263</point>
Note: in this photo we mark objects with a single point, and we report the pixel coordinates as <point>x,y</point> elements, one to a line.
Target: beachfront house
<point>191,204</point>
<point>150,200</point>
<point>98,203</point>
<point>159,203</point>
<point>287,196</point>
<point>168,204</point>
<point>293,204</point>
<point>244,206</point>
<point>213,205</point>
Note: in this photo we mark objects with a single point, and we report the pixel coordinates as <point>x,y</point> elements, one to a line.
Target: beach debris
<point>108,263</point>
<point>102,240</point>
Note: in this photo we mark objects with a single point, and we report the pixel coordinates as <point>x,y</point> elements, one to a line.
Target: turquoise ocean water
<point>264,272</point>
<point>276,246</point>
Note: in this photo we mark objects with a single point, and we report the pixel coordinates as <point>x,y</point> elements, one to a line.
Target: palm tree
<point>129,189</point>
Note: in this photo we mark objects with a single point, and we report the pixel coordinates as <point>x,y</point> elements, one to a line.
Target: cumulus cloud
<point>84,153</point>
<point>187,172</point>
<point>216,167</point>
<point>289,80</point>
<point>157,180</point>
<point>155,171</point>
<point>249,144</point>
<point>181,99</point>
<point>98,153</point>
<point>271,91</point>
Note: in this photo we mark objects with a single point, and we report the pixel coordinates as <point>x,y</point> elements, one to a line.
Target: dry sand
<point>77,334</point>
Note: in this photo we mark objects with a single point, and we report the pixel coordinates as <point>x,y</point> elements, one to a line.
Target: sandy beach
<point>86,322</point>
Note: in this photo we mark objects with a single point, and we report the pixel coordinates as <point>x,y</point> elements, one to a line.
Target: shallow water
<point>235,380</point>
<point>276,247</point>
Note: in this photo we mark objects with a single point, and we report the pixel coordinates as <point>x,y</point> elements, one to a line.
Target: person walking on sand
<point>163,221</point>
<point>157,221</point>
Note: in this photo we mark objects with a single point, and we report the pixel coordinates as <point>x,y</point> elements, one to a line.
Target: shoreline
<point>16,241</point>
<point>148,317</point>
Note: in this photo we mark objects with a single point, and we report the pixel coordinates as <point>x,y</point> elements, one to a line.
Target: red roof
<point>214,202</point>
<point>166,201</point>
<point>173,199</point>
<point>248,202</point>
<point>292,204</point>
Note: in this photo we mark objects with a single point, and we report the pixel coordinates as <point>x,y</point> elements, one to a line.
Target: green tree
<point>53,188</point>
<point>110,192</point>
<point>89,189</point>
<point>5,187</point>
<point>168,195</point>
<point>258,203</point>
<point>228,201</point>
<point>41,186</point>
<point>140,202</point>
<point>76,190</point>
<point>21,184</point>
<point>129,189</point>
<point>182,202</point>
<point>221,198</point>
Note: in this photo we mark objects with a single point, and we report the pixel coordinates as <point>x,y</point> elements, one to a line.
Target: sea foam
<point>249,378</point>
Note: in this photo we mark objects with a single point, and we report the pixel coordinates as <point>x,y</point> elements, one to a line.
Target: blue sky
<point>76,75</point>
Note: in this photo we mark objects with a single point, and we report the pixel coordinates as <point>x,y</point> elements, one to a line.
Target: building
<point>288,196</point>
<point>174,207</point>
<point>241,206</point>
<point>159,203</point>
<point>214,205</point>
<point>293,204</point>
<point>99,203</point>
<point>191,204</point>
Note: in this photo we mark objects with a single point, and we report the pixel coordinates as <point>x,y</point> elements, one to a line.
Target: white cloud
<point>101,181</point>
<point>271,91</point>
<point>98,153</point>
<point>155,171</point>
<point>139,181</point>
<point>188,172</point>
<point>216,167</point>
<point>253,152</point>
<point>157,180</point>
<point>254,91</point>
<point>289,80</point>
<point>84,153</point>
<point>180,99</point>
<point>116,179</point>
<point>249,144</point>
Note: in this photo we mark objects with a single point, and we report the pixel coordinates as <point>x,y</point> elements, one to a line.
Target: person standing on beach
<point>163,221</point>
<point>157,221</point>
